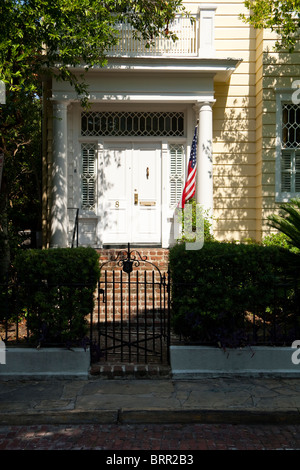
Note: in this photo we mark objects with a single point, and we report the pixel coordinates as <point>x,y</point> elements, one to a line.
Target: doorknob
<point>136,198</point>
<point>147,173</point>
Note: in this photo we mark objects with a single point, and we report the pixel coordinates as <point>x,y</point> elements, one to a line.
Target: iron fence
<point>258,318</point>
<point>129,319</point>
<point>132,318</point>
<point>44,314</point>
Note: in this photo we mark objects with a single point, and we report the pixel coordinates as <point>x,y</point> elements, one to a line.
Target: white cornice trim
<point>220,68</point>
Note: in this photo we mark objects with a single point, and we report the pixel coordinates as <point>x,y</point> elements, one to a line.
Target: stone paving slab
<point>202,400</point>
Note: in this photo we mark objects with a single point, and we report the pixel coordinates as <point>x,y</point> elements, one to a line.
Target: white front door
<point>130,193</point>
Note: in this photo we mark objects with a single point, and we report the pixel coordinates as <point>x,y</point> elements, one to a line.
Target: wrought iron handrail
<point>75,229</point>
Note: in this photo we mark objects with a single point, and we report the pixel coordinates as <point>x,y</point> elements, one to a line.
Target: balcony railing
<point>187,44</point>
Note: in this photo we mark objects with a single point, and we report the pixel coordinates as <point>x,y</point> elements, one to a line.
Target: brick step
<point>129,371</point>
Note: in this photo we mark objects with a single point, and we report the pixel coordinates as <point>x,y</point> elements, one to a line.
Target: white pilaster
<point>207,30</point>
<point>166,214</point>
<point>204,179</point>
<point>59,212</point>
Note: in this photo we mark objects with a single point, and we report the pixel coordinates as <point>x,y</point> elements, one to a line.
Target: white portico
<point>122,162</point>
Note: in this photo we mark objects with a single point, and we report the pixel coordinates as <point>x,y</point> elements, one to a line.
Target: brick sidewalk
<point>151,437</point>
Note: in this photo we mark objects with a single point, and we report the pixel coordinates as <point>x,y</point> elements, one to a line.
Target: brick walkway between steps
<point>179,438</point>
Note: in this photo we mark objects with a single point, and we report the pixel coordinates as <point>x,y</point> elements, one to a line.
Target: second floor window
<point>290,151</point>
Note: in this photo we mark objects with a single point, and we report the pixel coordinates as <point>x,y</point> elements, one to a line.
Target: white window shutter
<point>176,173</point>
<point>88,176</point>
<point>286,173</point>
<point>297,173</point>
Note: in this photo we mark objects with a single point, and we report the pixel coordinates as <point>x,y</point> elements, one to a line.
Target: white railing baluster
<point>186,44</point>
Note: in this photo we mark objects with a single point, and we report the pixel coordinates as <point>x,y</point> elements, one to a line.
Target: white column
<point>204,179</point>
<point>59,212</point>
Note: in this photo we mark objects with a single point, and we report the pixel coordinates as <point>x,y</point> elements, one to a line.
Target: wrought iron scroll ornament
<point>129,259</point>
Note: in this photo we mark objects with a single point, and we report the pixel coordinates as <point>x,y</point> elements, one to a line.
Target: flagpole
<point>189,189</point>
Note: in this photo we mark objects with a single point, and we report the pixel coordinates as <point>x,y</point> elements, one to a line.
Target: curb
<point>59,417</point>
<point>209,417</point>
<point>150,416</point>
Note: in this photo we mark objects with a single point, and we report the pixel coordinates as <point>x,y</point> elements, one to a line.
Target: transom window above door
<point>132,124</point>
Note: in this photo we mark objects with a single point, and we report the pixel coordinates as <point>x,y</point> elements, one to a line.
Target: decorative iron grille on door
<point>133,124</point>
<point>133,321</point>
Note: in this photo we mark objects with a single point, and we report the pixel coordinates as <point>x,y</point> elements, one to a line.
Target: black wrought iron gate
<point>133,310</point>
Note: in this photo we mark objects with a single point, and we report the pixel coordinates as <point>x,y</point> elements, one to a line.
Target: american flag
<point>190,184</point>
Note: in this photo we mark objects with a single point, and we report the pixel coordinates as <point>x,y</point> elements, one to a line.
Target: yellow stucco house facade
<point>256,128</point>
<point>121,164</point>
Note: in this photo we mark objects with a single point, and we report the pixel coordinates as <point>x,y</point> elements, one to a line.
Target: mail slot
<point>147,203</point>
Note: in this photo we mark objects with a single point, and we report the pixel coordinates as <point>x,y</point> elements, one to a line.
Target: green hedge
<point>215,290</point>
<point>56,292</point>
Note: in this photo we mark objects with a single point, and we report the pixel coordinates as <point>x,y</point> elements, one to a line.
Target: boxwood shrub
<point>216,291</point>
<point>56,293</point>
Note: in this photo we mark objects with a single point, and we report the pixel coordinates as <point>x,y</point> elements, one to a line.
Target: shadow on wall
<point>245,144</point>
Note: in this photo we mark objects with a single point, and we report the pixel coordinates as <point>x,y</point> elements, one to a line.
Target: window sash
<point>288,151</point>
<point>290,138</point>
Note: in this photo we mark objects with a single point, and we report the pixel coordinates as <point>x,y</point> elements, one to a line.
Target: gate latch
<point>101,291</point>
